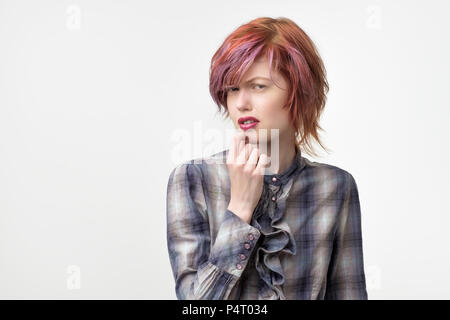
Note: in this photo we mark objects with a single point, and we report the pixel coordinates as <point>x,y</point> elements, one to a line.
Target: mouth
<point>247,122</point>
<point>248,126</point>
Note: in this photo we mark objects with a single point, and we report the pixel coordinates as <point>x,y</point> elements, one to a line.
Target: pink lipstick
<point>250,122</point>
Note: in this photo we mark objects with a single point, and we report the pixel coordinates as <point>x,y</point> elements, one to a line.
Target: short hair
<point>293,54</point>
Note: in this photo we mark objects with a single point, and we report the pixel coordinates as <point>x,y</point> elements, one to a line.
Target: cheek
<point>271,107</point>
<point>269,112</point>
<point>276,119</point>
<point>274,116</point>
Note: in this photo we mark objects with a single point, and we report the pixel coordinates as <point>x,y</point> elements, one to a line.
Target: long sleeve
<point>203,269</point>
<point>346,278</point>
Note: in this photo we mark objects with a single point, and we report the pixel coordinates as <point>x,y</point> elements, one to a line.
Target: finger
<point>245,152</point>
<point>241,137</point>
<point>234,148</point>
<point>253,158</point>
<point>263,162</point>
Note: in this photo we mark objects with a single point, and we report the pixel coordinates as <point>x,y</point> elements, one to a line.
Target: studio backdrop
<point>101,100</point>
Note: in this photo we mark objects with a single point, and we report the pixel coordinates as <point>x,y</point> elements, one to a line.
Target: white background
<point>91,93</point>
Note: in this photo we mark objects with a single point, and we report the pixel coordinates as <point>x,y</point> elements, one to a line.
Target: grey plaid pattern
<point>304,240</point>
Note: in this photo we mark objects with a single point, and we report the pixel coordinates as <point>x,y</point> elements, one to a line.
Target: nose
<point>242,101</point>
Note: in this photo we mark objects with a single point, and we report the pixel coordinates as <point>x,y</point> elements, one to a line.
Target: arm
<point>202,270</point>
<point>346,278</point>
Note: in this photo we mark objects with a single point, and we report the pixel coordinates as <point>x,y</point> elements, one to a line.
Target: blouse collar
<point>286,175</point>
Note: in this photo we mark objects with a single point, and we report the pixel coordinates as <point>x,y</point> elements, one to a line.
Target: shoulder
<point>328,173</point>
<point>199,168</point>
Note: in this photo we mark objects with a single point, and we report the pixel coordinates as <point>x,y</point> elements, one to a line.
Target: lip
<point>248,125</point>
<point>240,120</point>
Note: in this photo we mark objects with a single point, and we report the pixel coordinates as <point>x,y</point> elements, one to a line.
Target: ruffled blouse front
<point>276,236</point>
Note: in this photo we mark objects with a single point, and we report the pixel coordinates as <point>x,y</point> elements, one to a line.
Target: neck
<point>283,159</point>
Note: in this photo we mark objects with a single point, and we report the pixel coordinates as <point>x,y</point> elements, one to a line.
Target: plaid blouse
<point>304,240</point>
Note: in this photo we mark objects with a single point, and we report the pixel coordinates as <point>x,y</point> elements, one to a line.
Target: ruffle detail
<point>276,240</point>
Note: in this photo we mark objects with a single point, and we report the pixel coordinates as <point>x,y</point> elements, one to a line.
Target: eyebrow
<point>257,78</point>
<point>250,80</point>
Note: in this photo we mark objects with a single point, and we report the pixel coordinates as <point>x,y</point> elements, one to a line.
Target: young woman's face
<point>262,99</point>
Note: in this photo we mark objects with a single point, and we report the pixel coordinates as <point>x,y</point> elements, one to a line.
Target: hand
<point>246,169</point>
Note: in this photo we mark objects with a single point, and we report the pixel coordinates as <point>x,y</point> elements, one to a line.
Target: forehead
<point>260,68</point>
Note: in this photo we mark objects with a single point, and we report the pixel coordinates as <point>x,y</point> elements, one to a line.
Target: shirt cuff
<point>235,241</point>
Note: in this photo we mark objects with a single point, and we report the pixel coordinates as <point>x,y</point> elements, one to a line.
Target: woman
<point>238,230</point>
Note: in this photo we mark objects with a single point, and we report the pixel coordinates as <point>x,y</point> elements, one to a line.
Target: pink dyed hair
<point>292,53</point>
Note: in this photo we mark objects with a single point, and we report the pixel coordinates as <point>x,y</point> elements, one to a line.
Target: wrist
<point>243,213</point>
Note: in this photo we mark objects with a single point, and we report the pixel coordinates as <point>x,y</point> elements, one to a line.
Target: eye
<point>231,89</point>
<point>259,85</point>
